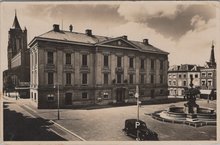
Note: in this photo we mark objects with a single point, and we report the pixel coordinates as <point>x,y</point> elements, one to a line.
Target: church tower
<point>212,63</point>
<point>17,41</point>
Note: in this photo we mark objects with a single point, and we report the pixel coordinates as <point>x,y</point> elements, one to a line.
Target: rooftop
<point>90,39</point>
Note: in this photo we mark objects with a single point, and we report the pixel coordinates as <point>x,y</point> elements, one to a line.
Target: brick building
<point>17,76</point>
<point>91,69</point>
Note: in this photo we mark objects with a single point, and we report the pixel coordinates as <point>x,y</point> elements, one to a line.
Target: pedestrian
<point>16,97</point>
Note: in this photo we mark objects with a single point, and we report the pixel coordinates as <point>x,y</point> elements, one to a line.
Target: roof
<point>73,36</point>
<point>82,38</point>
<point>16,24</point>
<point>185,68</point>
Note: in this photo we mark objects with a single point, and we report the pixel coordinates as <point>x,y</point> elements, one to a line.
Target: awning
<point>206,92</point>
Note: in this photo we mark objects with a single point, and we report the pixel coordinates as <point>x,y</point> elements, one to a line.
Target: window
<point>142,79</point>
<point>191,76</point>
<point>119,78</point>
<point>50,78</point>
<point>105,60</point>
<point>161,92</point>
<point>35,58</point>
<point>209,82</point>
<point>50,98</point>
<point>141,93</point>
<point>105,78</point>
<point>142,63</point>
<point>196,75</point>
<point>68,58</point>
<point>203,74</point>
<point>161,79</point>
<point>174,83</point>
<point>152,64</point>
<point>131,79</point>
<point>180,76</point>
<point>50,57</point>
<point>203,82</point>
<point>84,95</point>
<point>210,74</point>
<point>105,95</point>
<point>84,60</point>
<point>68,78</point>
<point>118,61</point>
<point>184,75</point>
<point>161,64</point>
<point>151,79</point>
<point>170,83</point>
<point>184,83</point>
<point>84,78</point>
<point>131,62</point>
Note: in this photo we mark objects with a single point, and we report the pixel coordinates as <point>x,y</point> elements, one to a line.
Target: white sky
<point>183,29</point>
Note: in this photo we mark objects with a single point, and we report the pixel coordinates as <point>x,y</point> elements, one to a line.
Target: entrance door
<point>152,93</point>
<point>120,94</point>
<point>68,99</point>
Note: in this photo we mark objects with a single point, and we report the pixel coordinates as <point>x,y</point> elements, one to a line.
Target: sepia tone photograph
<point>109,71</point>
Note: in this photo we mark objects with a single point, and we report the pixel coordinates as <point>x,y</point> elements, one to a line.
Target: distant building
<point>204,77</point>
<point>91,69</point>
<point>179,78</point>
<point>208,77</point>
<point>17,76</point>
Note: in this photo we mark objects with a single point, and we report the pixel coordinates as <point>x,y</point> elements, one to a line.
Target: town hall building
<point>85,69</point>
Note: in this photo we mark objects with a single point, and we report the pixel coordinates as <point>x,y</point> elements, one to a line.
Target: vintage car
<point>138,129</point>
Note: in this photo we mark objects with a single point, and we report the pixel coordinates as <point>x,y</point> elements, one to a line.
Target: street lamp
<point>58,101</point>
<point>137,96</point>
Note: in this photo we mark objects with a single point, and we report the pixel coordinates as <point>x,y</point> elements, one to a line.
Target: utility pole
<point>58,102</point>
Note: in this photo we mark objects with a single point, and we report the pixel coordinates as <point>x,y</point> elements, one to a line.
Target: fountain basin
<point>177,114</point>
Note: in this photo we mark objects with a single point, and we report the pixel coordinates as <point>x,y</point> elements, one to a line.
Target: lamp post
<point>137,96</point>
<point>58,101</point>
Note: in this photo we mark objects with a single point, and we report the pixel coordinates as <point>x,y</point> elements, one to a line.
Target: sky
<point>185,30</point>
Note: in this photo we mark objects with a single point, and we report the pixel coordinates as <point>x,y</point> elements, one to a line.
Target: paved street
<point>106,124</point>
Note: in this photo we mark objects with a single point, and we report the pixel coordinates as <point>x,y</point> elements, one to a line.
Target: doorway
<point>120,94</point>
<point>68,99</point>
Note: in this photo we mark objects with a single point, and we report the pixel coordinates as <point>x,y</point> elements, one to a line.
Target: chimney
<point>56,27</point>
<point>71,28</point>
<point>125,37</point>
<point>89,32</point>
<point>145,41</point>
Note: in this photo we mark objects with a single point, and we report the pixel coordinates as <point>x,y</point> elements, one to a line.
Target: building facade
<point>17,76</point>
<point>204,77</point>
<point>179,78</point>
<point>208,73</point>
<point>90,69</point>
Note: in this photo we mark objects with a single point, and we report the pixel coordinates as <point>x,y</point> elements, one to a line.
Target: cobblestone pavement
<point>106,124</point>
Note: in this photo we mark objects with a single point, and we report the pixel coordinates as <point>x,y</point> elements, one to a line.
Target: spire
<point>212,62</point>
<point>16,24</point>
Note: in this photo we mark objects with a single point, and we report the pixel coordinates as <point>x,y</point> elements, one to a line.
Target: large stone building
<point>17,76</point>
<point>91,69</point>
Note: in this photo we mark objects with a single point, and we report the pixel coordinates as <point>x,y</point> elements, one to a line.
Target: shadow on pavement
<point>18,127</point>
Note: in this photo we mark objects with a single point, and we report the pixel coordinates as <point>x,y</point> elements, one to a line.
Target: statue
<point>191,107</point>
